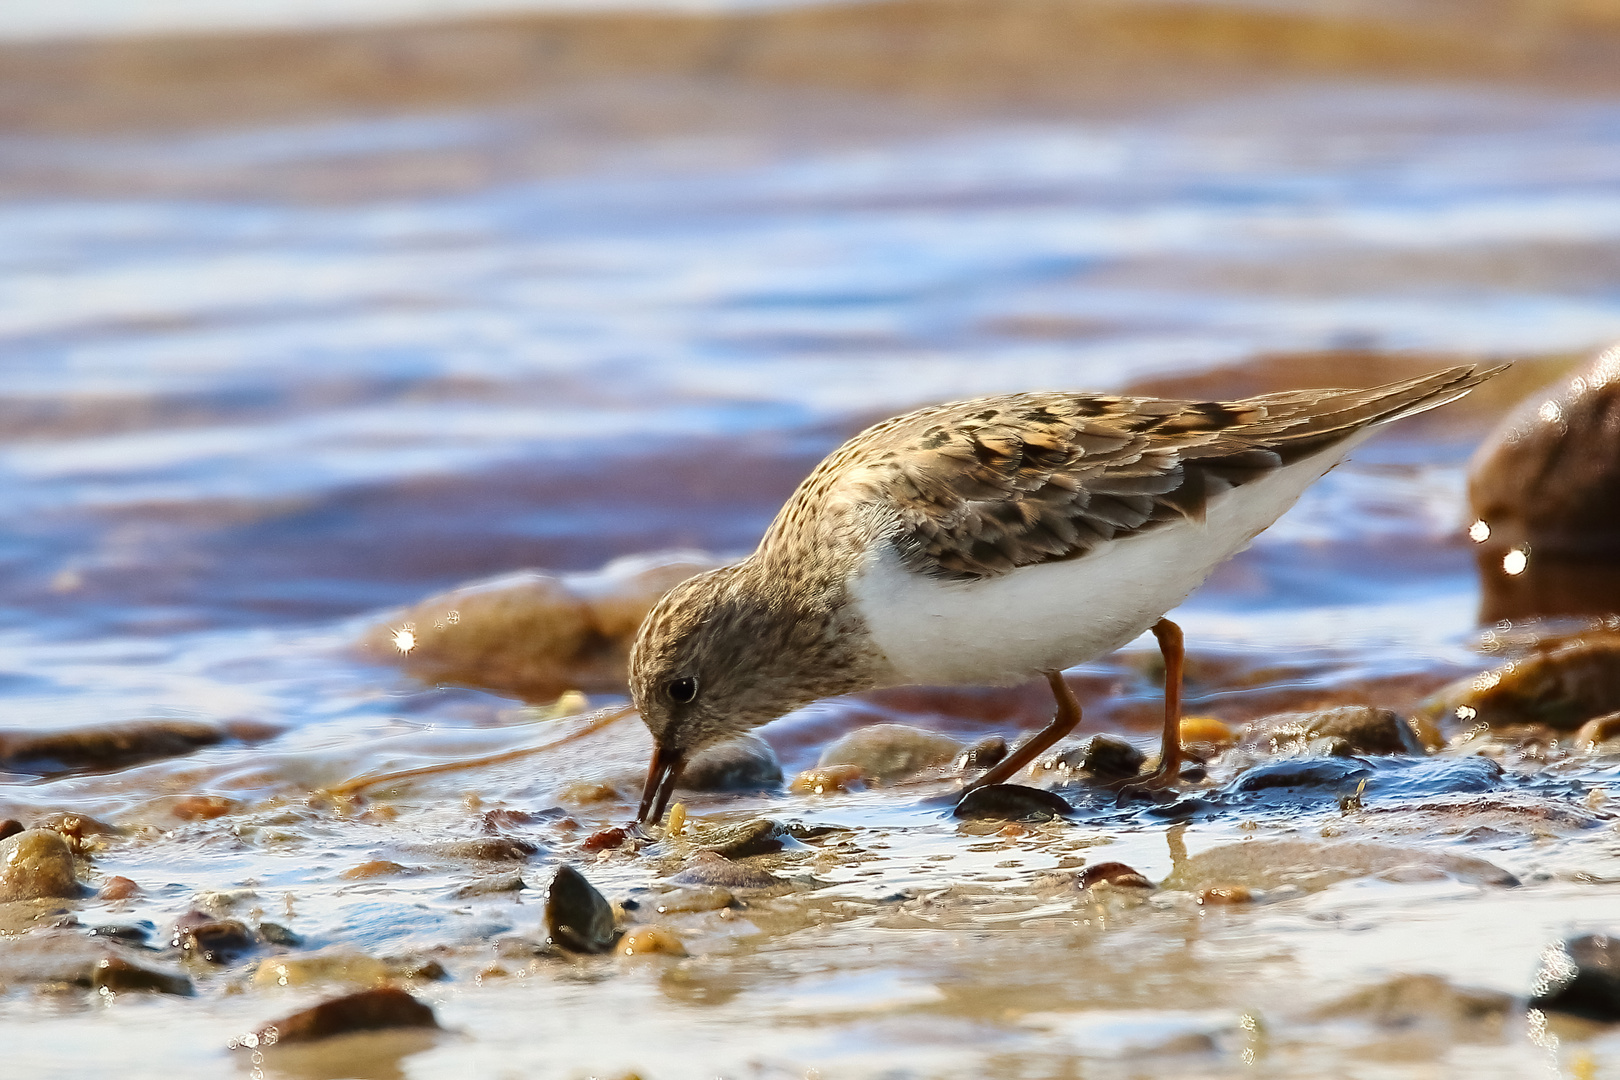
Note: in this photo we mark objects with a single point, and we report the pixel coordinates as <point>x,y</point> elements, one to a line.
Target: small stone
<point>835,779</point>
<point>418,969</point>
<point>334,965</point>
<point>119,888</point>
<point>119,974</point>
<point>1562,684</point>
<point>891,752</point>
<point>9,828</point>
<point>1206,731</point>
<point>276,934</point>
<point>744,763</point>
<point>1329,746</point>
<point>1116,874</point>
<point>203,807</point>
<point>36,863</point>
<point>489,886</point>
<point>368,1010</point>
<point>708,868</point>
<point>1219,895</point>
<point>1598,731</point>
<point>605,839</point>
<point>126,934</point>
<point>218,941</point>
<point>983,754</point>
<point>371,869</point>
<point>1012,802</point>
<point>1102,756</point>
<point>577,916</point>
<point>762,836</point>
<point>1361,729</point>
<point>646,940</point>
<point>484,849</point>
<point>694,899</point>
<point>1581,977</point>
<point>502,819</point>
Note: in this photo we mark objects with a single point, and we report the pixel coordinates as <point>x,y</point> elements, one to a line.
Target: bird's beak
<point>661,776</point>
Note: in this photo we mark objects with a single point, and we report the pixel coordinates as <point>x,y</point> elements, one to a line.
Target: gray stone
<point>746,763</point>
<point>889,752</point>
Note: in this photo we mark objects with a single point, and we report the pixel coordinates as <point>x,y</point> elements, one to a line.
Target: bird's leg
<point>1068,715</point>
<point>1170,755</point>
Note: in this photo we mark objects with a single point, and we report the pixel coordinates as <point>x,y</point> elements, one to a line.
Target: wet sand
<point>300,330</point>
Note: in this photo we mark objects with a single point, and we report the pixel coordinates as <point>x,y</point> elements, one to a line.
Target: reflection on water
<point>265,376</point>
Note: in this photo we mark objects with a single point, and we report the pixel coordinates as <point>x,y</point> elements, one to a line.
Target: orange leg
<point>1170,755</point>
<point>1068,716</point>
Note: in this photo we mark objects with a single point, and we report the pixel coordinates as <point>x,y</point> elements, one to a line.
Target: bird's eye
<point>682,691</point>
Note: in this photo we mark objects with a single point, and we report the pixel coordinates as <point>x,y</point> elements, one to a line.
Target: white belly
<point>1054,615</point>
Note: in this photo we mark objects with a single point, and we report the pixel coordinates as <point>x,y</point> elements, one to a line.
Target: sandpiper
<point>989,542</point>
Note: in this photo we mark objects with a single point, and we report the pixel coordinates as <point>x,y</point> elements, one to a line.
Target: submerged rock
<point>63,956</point>
<point>1406,1001</point>
<point>338,964</point>
<point>983,754</point>
<point>1581,977</point>
<point>745,763</point>
<point>1562,684</point>
<point>1360,729</point>
<point>1012,802</point>
<point>647,940</point>
<point>1313,865</point>
<point>1105,757</point>
<point>534,635</point>
<point>1335,773</point>
<point>890,752</point>
<point>36,863</point>
<point>218,941</point>
<point>1598,730</point>
<point>835,779</point>
<point>1545,493</point>
<point>119,974</point>
<point>368,1010</point>
<point>710,869</point>
<point>1115,874</point>
<point>105,746</point>
<point>694,899</point>
<point>491,885</point>
<point>578,917</point>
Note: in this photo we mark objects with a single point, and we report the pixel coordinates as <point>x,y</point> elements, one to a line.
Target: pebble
<point>490,885</point>
<point>104,746</point>
<point>373,868</point>
<point>605,839</point>
<point>1361,729</point>
<point>119,974</point>
<point>1563,684</point>
<point>36,863</point>
<point>9,828</point>
<point>339,964</point>
<point>1581,976</point>
<point>276,934</point>
<point>75,959</point>
<point>1544,489</point>
<point>1012,802</point>
<point>1314,865</point>
<point>368,1010</point>
<point>708,868</point>
<point>983,754</point>
<point>119,888</point>
<point>835,779</point>
<point>694,899</point>
<point>1304,772</point>
<point>647,940</point>
<point>1206,731</point>
<point>891,752</point>
<point>1116,874</point>
<point>203,807</point>
<point>218,941</point>
<point>745,763</point>
<point>1407,1001</point>
<point>761,836</point>
<point>1218,895</point>
<point>578,918</point>
<point>482,849</point>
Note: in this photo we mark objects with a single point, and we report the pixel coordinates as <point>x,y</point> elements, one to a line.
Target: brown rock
<point>105,746</point>
<point>367,1010</point>
<point>647,940</point>
<point>36,863</point>
<point>829,781</point>
<point>708,868</point>
<point>1598,730</point>
<point>10,827</point>
<point>1116,874</point>
<point>533,634</point>
<point>1562,683</point>
<point>1217,895</point>
<point>373,868</point>
<point>605,839</point>
<point>1313,865</point>
<point>745,763</point>
<point>64,956</point>
<point>120,974</point>
<point>482,849</point>
<point>1545,493</point>
<point>119,888</point>
<point>203,807</point>
<point>218,941</point>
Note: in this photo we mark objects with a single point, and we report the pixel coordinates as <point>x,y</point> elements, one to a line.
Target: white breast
<point>1054,615</point>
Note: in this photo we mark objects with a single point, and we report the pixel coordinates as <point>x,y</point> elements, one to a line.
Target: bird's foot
<point>1153,786</point>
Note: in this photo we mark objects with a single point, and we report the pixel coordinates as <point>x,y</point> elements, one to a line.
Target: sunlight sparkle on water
<point>1479,532</point>
<point>405,639</point>
<point>1515,561</point>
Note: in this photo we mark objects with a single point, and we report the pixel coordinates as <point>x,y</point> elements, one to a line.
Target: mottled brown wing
<point>982,487</point>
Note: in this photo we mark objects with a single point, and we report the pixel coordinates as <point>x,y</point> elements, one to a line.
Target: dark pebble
<point>578,917</point>
<point>10,827</point>
<point>488,886</point>
<point>276,934</point>
<point>746,763</point>
<point>1103,756</point>
<point>368,1010</point>
<point>1581,977</point>
<point>1311,772</point>
<point>128,933</point>
<point>218,941</point>
<point>1012,802</point>
<point>117,974</point>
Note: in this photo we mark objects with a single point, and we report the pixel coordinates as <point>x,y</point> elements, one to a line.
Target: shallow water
<point>265,380</point>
